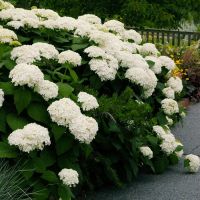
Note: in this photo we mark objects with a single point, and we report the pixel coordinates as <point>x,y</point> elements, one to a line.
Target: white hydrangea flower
<point>95,52</point>
<point>84,128</point>
<point>92,19</point>
<point>25,54</point>
<point>182,114</point>
<point>130,60</point>
<point>64,23</point>
<point>169,93</point>
<point>143,77</point>
<point>132,35</point>
<point>47,89</point>
<point>194,163</point>
<point>130,47</point>
<point>100,37</point>
<point>169,121</point>
<point>45,13</point>
<point>160,131</point>
<point>84,29</point>
<point>149,49</point>
<point>70,57</point>
<point>106,70</point>
<point>169,106</point>
<point>15,24</point>
<point>5,5</point>
<point>167,62</point>
<point>114,26</point>
<point>16,14</point>
<point>175,83</point>
<point>63,111</point>
<point>7,36</point>
<point>180,152</point>
<point>47,51</point>
<point>157,67</point>
<point>31,22</point>
<point>168,144</point>
<point>25,74</point>
<point>88,101</point>
<point>1,97</point>
<point>69,177</point>
<point>31,137</point>
<point>147,152</point>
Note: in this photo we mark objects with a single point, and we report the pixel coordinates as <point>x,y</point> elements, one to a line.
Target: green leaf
<point>7,151</point>
<point>76,47</point>
<point>173,159</point>
<point>152,140</point>
<point>39,165</point>
<point>40,192</point>
<point>160,164</point>
<point>73,74</point>
<point>38,112</point>
<point>150,63</point>
<point>64,144</point>
<point>22,98</point>
<point>186,163</point>
<point>65,192</point>
<point>7,87</point>
<point>48,156</point>
<point>15,122</point>
<point>3,120</point>
<point>49,176</point>
<point>65,89</point>
<point>58,131</point>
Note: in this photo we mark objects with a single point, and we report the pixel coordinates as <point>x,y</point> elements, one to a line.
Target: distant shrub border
<point>83,103</point>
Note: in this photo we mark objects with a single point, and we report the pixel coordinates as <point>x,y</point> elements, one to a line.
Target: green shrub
<point>43,87</point>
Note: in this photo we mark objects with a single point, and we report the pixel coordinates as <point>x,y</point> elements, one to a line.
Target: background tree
<point>139,13</point>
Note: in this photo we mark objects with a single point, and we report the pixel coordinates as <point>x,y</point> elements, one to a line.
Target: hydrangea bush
<point>84,103</point>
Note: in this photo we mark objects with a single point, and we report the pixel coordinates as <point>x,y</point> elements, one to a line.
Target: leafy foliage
<point>139,13</point>
<point>125,122</point>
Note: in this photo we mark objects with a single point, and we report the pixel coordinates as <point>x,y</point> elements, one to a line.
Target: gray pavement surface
<point>175,184</point>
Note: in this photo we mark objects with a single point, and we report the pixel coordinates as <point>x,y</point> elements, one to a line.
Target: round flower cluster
<point>47,89</point>
<point>167,62</point>
<point>176,84</point>
<point>168,144</point>
<point>70,57</point>
<point>32,76</point>
<point>88,102</point>
<point>179,151</point>
<point>92,19</point>
<point>149,49</point>
<point>169,93</point>
<point>169,106</point>
<point>1,97</point>
<point>31,137</point>
<point>63,111</point>
<point>7,36</point>
<point>5,5</point>
<point>84,128</point>
<point>143,77</point>
<point>192,163</point>
<point>155,64</point>
<point>132,35</point>
<point>66,113</point>
<point>26,74</point>
<point>32,53</point>
<point>69,177</point>
<point>147,152</point>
